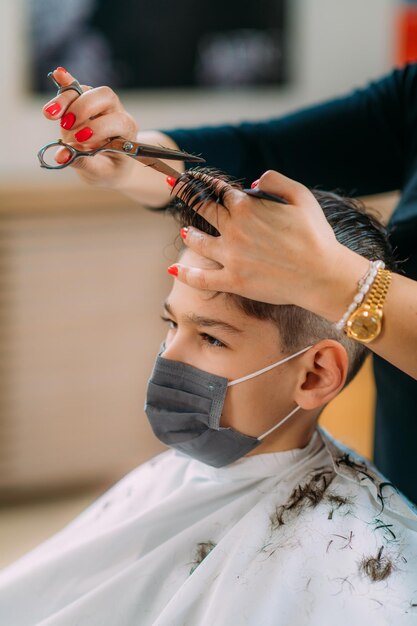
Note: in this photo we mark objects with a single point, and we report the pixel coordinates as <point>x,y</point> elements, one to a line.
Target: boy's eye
<point>212,341</point>
<point>170,322</point>
<point>208,339</point>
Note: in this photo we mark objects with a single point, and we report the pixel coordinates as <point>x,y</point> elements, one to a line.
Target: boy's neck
<point>289,440</point>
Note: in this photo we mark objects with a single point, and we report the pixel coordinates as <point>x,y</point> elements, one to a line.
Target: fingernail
<point>255,182</point>
<point>83,134</point>
<point>62,69</point>
<point>171,181</point>
<point>53,108</point>
<point>184,232</point>
<point>173,270</point>
<point>67,121</point>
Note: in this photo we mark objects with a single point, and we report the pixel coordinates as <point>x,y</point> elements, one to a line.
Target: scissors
<point>142,152</point>
<point>147,154</point>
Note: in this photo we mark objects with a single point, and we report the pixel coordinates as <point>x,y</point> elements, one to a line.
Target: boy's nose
<point>173,350</point>
<point>179,348</point>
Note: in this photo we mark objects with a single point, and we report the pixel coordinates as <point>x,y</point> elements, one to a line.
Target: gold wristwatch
<point>365,323</point>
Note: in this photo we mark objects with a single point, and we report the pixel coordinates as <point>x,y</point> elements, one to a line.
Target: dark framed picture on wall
<point>152,44</point>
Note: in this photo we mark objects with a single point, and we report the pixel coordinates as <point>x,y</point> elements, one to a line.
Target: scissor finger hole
<point>53,158</point>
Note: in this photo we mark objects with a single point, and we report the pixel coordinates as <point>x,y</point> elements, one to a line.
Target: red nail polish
<point>83,134</point>
<point>67,121</point>
<point>171,181</point>
<point>255,182</point>
<point>62,69</point>
<point>173,270</point>
<point>53,108</point>
<point>184,232</point>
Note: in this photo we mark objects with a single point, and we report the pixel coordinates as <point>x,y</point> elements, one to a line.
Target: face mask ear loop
<point>268,432</point>
<point>266,369</point>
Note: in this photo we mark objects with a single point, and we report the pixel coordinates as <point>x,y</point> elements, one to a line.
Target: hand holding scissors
<point>111,135</point>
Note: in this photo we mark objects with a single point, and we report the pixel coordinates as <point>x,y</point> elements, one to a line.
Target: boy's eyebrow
<point>205,321</point>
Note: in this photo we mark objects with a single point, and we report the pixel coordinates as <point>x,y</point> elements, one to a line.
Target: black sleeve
<point>358,144</point>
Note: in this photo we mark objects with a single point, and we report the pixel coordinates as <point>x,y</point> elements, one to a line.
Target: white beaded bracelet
<point>364,285</point>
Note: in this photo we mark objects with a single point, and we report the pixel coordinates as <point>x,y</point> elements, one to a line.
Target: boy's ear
<point>323,374</point>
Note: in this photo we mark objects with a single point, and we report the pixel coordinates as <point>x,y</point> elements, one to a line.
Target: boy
<point>256,516</point>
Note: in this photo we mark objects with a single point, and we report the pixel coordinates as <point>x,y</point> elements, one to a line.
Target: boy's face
<point>214,335</point>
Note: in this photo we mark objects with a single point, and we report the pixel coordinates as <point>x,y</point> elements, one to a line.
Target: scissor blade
<point>166,153</point>
<point>159,166</point>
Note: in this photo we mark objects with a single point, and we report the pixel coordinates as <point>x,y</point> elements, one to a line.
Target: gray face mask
<point>184,406</point>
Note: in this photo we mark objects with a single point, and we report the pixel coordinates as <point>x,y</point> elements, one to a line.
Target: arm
<point>303,264</point>
<point>355,143</point>
<point>398,341</point>
<point>358,144</point>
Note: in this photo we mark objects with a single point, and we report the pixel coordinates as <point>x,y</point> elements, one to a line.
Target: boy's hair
<point>353,226</point>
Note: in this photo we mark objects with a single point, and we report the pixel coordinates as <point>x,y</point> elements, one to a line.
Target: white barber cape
<point>312,536</point>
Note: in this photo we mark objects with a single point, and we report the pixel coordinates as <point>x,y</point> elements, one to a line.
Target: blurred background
<point>82,270</point>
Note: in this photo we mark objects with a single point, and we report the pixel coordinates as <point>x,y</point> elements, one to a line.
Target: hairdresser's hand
<point>86,122</point>
<point>276,253</point>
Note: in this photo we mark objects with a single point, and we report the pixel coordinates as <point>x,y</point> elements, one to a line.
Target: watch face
<point>364,325</point>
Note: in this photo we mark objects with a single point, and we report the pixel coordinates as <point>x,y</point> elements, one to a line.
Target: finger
<point>278,184</point>
<point>57,106</point>
<point>62,155</point>
<point>91,135</point>
<point>202,243</point>
<point>207,280</point>
<point>93,104</point>
<point>100,128</point>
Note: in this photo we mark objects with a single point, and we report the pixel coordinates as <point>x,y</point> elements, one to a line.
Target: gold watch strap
<point>378,292</point>
<point>365,322</point>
